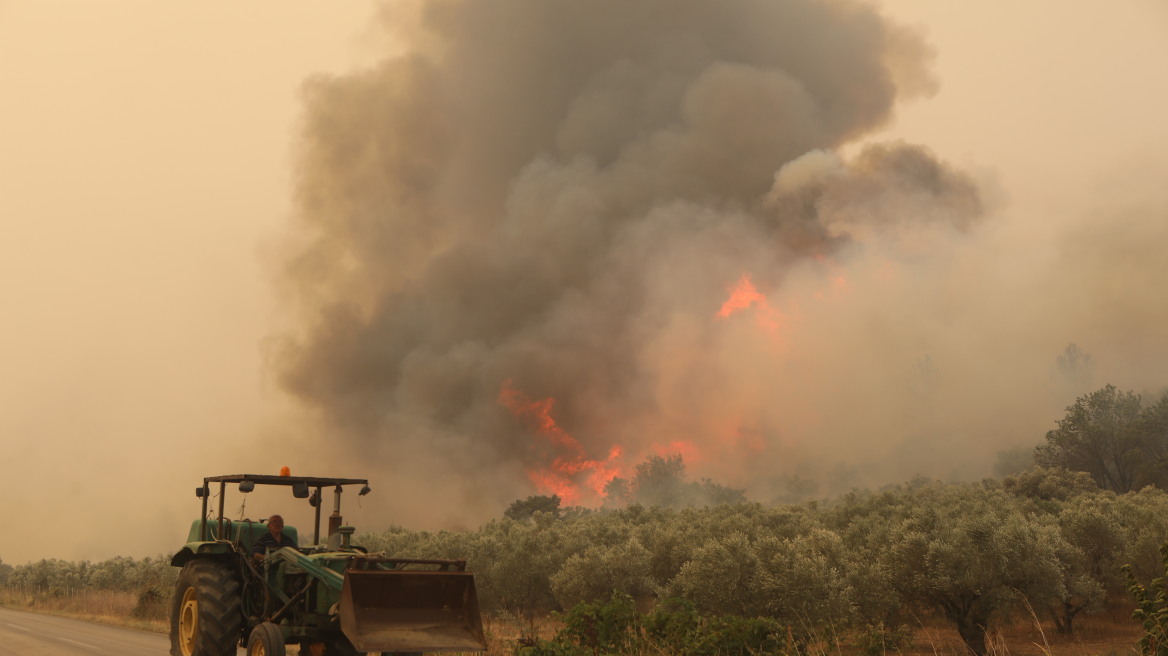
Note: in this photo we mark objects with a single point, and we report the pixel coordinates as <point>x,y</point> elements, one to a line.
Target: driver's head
<point>276,526</point>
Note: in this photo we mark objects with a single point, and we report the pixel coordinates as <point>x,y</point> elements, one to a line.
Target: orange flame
<point>742,296</point>
<point>570,464</point>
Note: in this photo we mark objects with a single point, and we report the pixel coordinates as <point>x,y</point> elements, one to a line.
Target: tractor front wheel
<point>205,616</point>
<point>266,640</point>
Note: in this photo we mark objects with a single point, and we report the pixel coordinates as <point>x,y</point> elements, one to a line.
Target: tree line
<point>58,578</point>
<point>972,553</point>
<point>150,579</point>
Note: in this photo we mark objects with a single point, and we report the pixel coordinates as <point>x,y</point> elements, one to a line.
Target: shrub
<point>730,635</point>
<point>1151,609</point>
<point>609,627</point>
<point>153,603</point>
<point>555,647</point>
<point>673,624</point>
<point>878,639</point>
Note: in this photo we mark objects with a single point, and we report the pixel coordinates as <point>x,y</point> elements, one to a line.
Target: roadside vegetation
<point>129,592</point>
<point>1061,553</point>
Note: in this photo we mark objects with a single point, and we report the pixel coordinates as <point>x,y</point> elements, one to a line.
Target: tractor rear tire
<point>266,640</point>
<point>205,617</point>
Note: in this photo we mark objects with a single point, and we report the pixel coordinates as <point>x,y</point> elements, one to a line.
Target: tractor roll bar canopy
<point>299,485</point>
<point>269,479</point>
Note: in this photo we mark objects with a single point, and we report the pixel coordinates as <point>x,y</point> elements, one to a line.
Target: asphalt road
<point>47,635</point>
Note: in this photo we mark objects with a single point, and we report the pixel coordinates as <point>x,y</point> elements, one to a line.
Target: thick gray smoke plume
<point>637,209</point>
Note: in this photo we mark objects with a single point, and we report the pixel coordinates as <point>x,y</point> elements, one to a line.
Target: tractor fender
<point>192,550</point>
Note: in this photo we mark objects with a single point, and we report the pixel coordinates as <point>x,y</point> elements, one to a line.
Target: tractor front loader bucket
<point>404,610</point>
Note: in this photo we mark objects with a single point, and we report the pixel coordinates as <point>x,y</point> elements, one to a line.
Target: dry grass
<point>100,606</point>
<point>505,632</point>
<point>1110,633</point>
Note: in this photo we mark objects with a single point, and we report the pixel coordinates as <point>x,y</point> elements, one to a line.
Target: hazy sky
<point>145,160</point>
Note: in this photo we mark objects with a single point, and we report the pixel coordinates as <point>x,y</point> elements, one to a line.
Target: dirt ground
<point>1111,633</point>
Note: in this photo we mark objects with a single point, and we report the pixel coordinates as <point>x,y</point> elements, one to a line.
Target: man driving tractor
<point>273,539</point>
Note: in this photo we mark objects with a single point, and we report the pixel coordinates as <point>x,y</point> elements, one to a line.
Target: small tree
<point>971,553</point>
<point>719,578</point>
<point>522,509</point>
<point>513,562</point>
<point>1144,518</point>
<point>605,627</point>
<point>1099,436</point>
<point>803,584</point>
<point>600,571</point>
<point>1093,543</point>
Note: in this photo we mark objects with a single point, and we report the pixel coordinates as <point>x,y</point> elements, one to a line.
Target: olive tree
<point>719,577</point>
<point>803,582</point>
<point>600,571</point>
<point>513,563</point>
<point>524,508</point>
<point>1143,516</point>
<point>969,552</point>
<point>867,524</point>
<point>1092,546</point>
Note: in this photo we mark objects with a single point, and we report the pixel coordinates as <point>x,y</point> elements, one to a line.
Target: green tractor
<point>332,598</point>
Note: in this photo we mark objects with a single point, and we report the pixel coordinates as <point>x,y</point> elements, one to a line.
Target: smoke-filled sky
<point>479,251</point>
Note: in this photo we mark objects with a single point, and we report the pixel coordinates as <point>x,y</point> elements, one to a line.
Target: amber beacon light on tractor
<point>332,597</point>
